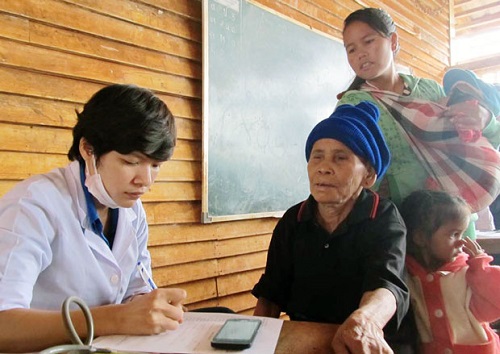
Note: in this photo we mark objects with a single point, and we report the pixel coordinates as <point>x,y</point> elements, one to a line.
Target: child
<point>455,293</point>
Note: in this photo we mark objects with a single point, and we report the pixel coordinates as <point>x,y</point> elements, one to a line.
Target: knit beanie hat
<point>490,92</point>
<point>357,128</point>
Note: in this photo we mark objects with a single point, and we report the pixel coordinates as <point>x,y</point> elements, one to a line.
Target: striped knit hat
<point>357,128</point>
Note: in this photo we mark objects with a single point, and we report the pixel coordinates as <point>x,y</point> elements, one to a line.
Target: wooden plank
<point>189,129</point>
<point>36,111</point>
<point>18,165</point>
<point>172,234</point>
<point>22,56</point>
<point>185,233</point>
<point>416,63</point>
<point>478,9</point>
<point>189,9</point>
<point>183,106</point>
<point>182,253</point>
<point>419,15</point>
<point>237,283</point>
<point>187,150</point>
<point>183,273</point>
<point>58,38</point>
<point>242,245</point>
<point>14,27</point>
<point>237,229</point>
<point>238,302</point>
<point>199,290</point>
<point>27,83</point>
<point>242,228</point>
<point>486,23</point>
<point>241,263</point>
<point>146,15</point>
<point>180,171</point>
<point>173,212</point>
<point>56,13</point>
<point>24,138</point>
<point>173,191</point>
<point>248,312</point>
<point>481,64</point>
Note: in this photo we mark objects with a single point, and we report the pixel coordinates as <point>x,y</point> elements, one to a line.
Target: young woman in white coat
<point>81,229</point>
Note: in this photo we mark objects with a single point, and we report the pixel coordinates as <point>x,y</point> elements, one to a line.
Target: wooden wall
<point>472,18</point>
<point>54,54</point>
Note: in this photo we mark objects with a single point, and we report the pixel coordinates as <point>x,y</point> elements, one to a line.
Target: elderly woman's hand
<point>360,335</point>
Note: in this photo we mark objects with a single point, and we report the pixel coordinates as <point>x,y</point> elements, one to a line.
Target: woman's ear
<point>370,177</point>
<point>394,42</point>
<point>85,149</point>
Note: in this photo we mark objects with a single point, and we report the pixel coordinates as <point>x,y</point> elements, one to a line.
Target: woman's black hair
<point>425,211</point>
<point>379,20</point>
<point>125,118</point>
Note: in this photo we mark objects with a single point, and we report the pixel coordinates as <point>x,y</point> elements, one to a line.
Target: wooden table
<point>491,244</point>
<point>306,338</point>
<point>316,338</point>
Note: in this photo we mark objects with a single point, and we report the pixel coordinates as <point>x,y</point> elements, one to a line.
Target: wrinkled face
<point>127,177</point>
<point>336,174</point>
<point>446,243</point>
<point>369,53</point>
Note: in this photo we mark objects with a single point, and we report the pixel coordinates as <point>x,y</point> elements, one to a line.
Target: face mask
<point>96,187</point>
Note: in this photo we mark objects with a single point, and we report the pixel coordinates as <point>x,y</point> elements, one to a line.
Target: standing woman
<point>81,230</point>
<point>371,43</point>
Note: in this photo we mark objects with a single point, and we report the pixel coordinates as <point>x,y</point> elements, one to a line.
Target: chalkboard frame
<point>206,216</point>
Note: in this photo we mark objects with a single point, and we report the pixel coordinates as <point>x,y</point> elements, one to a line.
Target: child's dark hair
<point>377,19</point>
<point>426,211</point>
<point>125,118</point>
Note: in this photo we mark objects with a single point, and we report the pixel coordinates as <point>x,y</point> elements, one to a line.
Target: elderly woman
<point>338,256</point>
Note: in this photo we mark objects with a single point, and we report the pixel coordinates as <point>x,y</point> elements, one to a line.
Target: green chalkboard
<point>266,82</point>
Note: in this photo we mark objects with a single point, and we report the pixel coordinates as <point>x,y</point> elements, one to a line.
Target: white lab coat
<point>48,250</point>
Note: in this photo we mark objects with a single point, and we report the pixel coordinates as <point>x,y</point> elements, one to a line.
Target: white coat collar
<point>125,232</point>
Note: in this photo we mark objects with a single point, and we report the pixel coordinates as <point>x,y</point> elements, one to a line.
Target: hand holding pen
<point>156,311</point>
<point>148,279</point>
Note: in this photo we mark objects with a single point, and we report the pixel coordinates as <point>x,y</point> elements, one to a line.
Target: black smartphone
<point>236,334</point>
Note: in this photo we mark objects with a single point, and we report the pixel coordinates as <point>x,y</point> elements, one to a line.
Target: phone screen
<point>236,333</point>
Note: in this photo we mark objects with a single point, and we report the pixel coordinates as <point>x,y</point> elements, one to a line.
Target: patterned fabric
<point>405,174</point>
<point>467,167</point>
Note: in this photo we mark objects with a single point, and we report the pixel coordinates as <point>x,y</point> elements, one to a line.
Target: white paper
<point>194,335</point>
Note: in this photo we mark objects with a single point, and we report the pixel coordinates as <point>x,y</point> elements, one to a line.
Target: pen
<point>146,276</point>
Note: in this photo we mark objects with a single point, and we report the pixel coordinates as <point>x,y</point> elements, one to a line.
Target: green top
<point>406,174</point>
